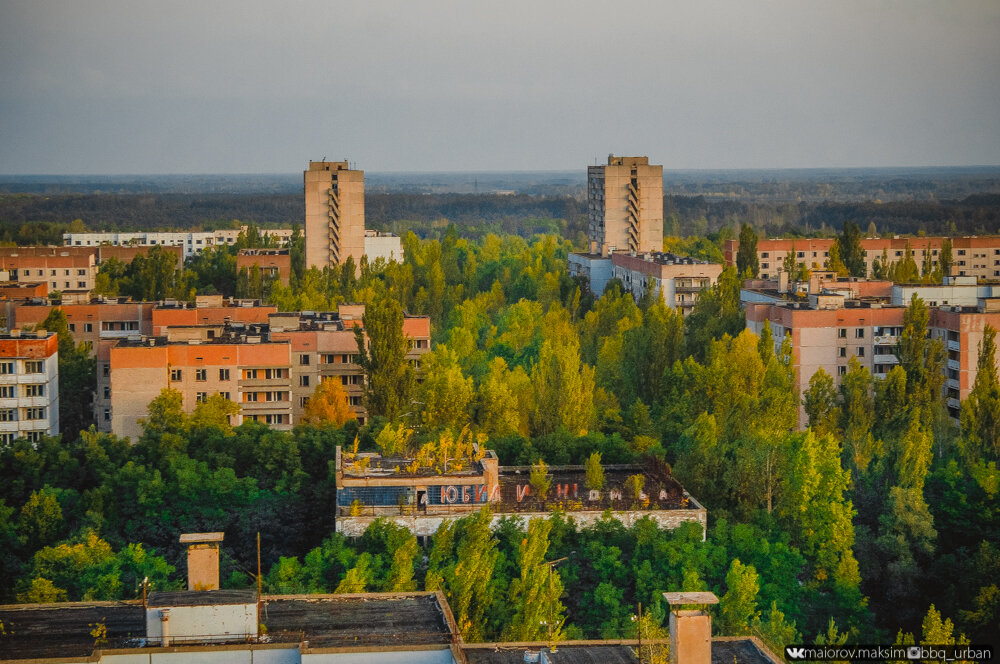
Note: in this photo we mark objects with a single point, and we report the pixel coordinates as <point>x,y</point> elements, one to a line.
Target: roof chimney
<point>782,282</point>
<point>203,560</point>
<point>690,627</point>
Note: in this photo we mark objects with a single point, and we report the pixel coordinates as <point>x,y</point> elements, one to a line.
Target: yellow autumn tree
<point>328,405</point>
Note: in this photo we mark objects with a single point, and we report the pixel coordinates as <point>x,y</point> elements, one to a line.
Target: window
<point>8,415</point>
<point>303,381</point>
<point>34,413</point>
<point>34,366</point>
<point>7,392</point>
<point>81,273</point>
<point>842,333</point>
<point>6,438</point>
<point>843,351</point>
<point>226,395</point>
<point>223,374</point>
<point>88,327</point>
<point>66,272</point>
<point>107,391</point>
<point>249,397</point>
<point>764,266</point>
<point>72,327</point>
<point>304,359</point>
<point>802,254</point>
<point>176,374</point>
<point>354,401</point>
<point>961,252</point>
<point>303,401</point>
<point>106,369</point>
<point>859,333</point>
<point>841,370</point>
<point>34,390</point>
<point>201,374</point>
<point>52,273</point>
<point>861,351</point>
<point>353,379</point>
<point>764,255</point>
<point>107,414</point>
<point>81,284</point>
<point>6,368</point>
<point>200,397</point>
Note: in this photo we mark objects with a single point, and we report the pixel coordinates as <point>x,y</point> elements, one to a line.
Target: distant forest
<point>28,219</point>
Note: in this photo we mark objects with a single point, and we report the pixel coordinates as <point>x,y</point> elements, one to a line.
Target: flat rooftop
<point>663,491</point>
<point>329,621</point>
<point>564,654</point>
<point>63,630</point>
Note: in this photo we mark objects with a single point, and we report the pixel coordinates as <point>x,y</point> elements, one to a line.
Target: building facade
<point>826,331</point>
<point>189,242</point>
<point>677,279</point>
<point>977,257</point>
<point>270,368</point>
<point>59,269</point>
<point>335,213</point>
<point>275,264</point>
<point>625,206</point>
<point>29,385</point>
<point>420,495</point>
<point>383,245</point>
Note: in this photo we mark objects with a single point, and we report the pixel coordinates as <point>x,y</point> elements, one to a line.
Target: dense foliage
<point>831,531</point>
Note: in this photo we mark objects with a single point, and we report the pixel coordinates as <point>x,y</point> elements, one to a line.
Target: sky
<point>141,87</point>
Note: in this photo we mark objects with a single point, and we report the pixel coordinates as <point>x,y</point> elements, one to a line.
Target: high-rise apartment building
<point>335,213</point>
<point>29,385</point>
<point>625,206</point>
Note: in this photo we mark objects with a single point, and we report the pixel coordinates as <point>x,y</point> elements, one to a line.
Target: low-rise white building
<point>192,242</point>
<point>383,245</point>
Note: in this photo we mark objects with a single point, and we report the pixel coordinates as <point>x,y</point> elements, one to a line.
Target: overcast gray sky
<point>174,86</point>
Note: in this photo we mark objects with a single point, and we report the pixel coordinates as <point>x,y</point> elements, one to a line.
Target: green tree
<point>820,402</point>
<point>857,415</point>
<point>540,480</point>
<point>444,393</point>
<point>358,577</point>
<point>981,409</point>
<point>388,375</point>
<point>505,400</point>
<point>41,518</point>
<point>595,472</point>
<point>747,263</point>
<point>738,607</point>
<point>945,258</point>
<point>77,377</point>
<point>834,262</point>
<point>534,595</point>
<point>470,581</point>
<point>851,253</point>
<point>564,388</point>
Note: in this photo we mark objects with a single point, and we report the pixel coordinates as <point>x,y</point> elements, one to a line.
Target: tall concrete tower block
<point>335,213</point>
<point>625,206</point>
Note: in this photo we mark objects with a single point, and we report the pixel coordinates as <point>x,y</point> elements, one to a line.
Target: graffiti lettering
<point>522,491</point>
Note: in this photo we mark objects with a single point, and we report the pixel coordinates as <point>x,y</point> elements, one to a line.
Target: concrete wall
<point>426,525</point>
<point>211,622</point>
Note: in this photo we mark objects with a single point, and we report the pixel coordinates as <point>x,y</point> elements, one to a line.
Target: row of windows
<point>29,367</point>
<point>12,414</point>
<point>10,391</point>
<point>859,333</point>
<point>250,397</point>
<point>178,374</point>
<point>33,436</point>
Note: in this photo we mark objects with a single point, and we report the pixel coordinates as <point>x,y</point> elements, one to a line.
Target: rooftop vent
<point>690,627</point>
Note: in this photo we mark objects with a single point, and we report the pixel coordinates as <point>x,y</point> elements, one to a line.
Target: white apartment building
<point>29,386</point>
<point>192,243</point>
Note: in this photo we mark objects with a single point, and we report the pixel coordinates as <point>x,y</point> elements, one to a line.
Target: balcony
<point>888,358</point>
<point>954,345</point>
<point>953,364</point>
<point>952,383</point>
<point>264,382</point>
<point>953,403</point>
<point>257,406</point>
